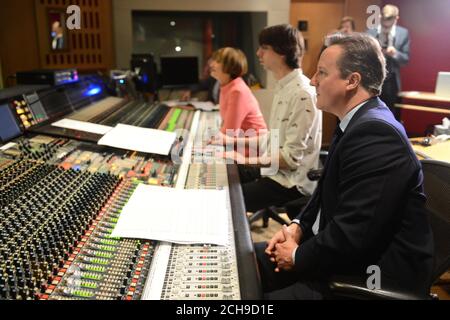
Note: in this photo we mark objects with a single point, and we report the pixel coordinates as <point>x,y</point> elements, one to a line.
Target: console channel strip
<point>203,272</point>
<point>71,154</point>
<point>72,254</point>
<point>42,217</point>
<point>101,266</point>
<point>55,235</point>
<point>60,201</point>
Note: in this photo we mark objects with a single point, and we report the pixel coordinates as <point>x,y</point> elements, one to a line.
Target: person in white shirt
<point>294,117</point>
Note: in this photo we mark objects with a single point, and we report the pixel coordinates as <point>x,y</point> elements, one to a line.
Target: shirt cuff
<point>293,255</point>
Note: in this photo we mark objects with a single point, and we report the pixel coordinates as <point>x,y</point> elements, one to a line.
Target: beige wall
<point>277,12</point>
<point>19,48</point>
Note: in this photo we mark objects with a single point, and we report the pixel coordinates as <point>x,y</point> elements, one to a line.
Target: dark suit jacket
<point>402,44</point>
<point>372,207</point>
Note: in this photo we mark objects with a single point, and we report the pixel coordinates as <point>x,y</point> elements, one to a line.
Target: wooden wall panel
<point>18,38</point>
<point>322,17</point>
<point>25,40</point>
<point>90,48</point>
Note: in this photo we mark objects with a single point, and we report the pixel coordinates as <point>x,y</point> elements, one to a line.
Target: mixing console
<point>40,226</point>
<point>71,154</point>
<point>60,200</point>
<point>101,266</point>
<point>26,115</point>
<point>108,111</point>
<point>198,272</point>
<point>148,170</point>
<point>111,111</point>
<point>59,204</point>
<point>38,148</point>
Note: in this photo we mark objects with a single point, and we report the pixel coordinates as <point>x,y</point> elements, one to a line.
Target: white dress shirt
<point>391,36</point>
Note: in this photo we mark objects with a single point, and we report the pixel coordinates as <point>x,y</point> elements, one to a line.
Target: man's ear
<point>353,81</point>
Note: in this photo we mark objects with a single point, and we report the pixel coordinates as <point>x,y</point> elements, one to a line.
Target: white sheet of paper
<point>139,139</point>
<point>7,146</point>
<point>82,126</point>
<point>181,216</point>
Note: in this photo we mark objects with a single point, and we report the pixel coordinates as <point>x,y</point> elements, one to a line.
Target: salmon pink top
<point>239,108</point>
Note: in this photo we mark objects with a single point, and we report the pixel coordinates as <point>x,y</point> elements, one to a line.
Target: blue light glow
<point>121,81</point>
<point>93,91</point>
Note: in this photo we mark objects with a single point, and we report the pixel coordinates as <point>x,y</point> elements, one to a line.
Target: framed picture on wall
<point>57,30</point>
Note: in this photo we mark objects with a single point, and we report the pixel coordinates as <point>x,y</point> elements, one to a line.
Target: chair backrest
<point>437,190</point>
<point>265,99</point>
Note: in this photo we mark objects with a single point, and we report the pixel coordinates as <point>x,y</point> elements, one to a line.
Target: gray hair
<point>362,54</point>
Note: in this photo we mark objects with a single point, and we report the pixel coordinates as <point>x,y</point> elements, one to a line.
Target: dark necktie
<point>315,198</point>
<point>334,142</point>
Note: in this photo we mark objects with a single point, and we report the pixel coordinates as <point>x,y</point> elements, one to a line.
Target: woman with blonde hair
<point>239,108</point>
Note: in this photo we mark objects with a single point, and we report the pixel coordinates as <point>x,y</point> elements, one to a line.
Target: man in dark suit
<point>369,207</point>
<point>395,43</point>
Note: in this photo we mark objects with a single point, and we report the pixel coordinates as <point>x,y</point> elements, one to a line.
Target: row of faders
<point>40,226</point>
<point>206,176</point>
<point>203,272</point>
<point>18,176</point>
<point>55,235</point>
<point>101,266</point>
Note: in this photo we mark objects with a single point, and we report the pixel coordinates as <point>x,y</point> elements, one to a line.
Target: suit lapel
<point>370,104</point>
<point>374,102</point>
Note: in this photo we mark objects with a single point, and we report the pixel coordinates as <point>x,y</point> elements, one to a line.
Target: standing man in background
<point>394,41</point>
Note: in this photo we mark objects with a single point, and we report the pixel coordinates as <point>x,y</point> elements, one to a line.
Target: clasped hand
<point>282,245</point>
